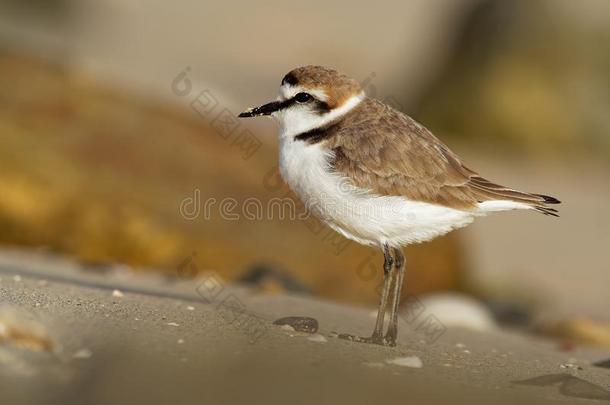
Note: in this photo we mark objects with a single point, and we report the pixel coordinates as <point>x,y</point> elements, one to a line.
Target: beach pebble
<point>299,323</point>
<point>407,361</point>
<point>83,354</point>
<point>317,338</point>
<point>287,328</point>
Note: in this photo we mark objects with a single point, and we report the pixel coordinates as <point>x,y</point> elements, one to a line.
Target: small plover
<point>376,176</point>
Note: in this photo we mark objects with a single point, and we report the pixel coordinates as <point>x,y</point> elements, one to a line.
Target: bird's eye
<point>302,97</point>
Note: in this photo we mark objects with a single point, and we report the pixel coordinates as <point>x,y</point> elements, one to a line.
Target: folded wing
<point>388,153</point>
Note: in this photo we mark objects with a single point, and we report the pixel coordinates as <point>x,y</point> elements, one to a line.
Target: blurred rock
<point>584,331</point>
<point>19,329</point>
<point>270,279</point>
<point>461,311</point>
<point>602,364</point>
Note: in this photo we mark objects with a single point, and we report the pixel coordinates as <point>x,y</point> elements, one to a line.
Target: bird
<point>377,176</point>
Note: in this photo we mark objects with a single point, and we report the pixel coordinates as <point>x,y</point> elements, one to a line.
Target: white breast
<point>356,213</point>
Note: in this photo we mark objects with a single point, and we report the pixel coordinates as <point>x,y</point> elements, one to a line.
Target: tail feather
<point>547,211</point>
<point>548,199</point>
<point>488,191</point>
<point>511,195</point>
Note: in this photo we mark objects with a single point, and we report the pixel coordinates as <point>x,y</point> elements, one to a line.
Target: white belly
<point>356,213</point>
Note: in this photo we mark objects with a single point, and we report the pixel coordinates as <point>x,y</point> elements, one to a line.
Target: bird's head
<point>310,97</point>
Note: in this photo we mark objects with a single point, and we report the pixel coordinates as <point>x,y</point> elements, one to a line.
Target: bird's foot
<point>375,339</point>
<point>391,336</point>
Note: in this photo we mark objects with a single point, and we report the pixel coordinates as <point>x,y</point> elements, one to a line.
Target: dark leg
<point>385,292</point>
<point>377,336</point>
<point>399,262</point>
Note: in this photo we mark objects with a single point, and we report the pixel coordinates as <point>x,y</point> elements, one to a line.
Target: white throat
<point>294,121</point>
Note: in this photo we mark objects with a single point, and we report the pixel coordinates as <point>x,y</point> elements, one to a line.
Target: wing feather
<point>387,152</point>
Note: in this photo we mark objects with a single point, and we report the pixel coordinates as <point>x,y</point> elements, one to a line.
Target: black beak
<point>266,109</point>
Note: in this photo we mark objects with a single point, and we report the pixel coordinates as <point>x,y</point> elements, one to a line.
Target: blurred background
<point>117,124</point>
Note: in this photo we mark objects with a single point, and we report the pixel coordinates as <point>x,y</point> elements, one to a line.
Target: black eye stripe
<point>322,107</point>
<point>289,102</point>
<point>319,106</point>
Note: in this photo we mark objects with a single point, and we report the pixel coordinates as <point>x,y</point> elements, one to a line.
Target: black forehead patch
<point>290,79</point>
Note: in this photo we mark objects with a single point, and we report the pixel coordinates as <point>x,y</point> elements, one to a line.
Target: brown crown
<point>337,86</point>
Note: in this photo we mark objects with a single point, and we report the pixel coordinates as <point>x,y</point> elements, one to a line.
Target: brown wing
<point>387,152</point>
